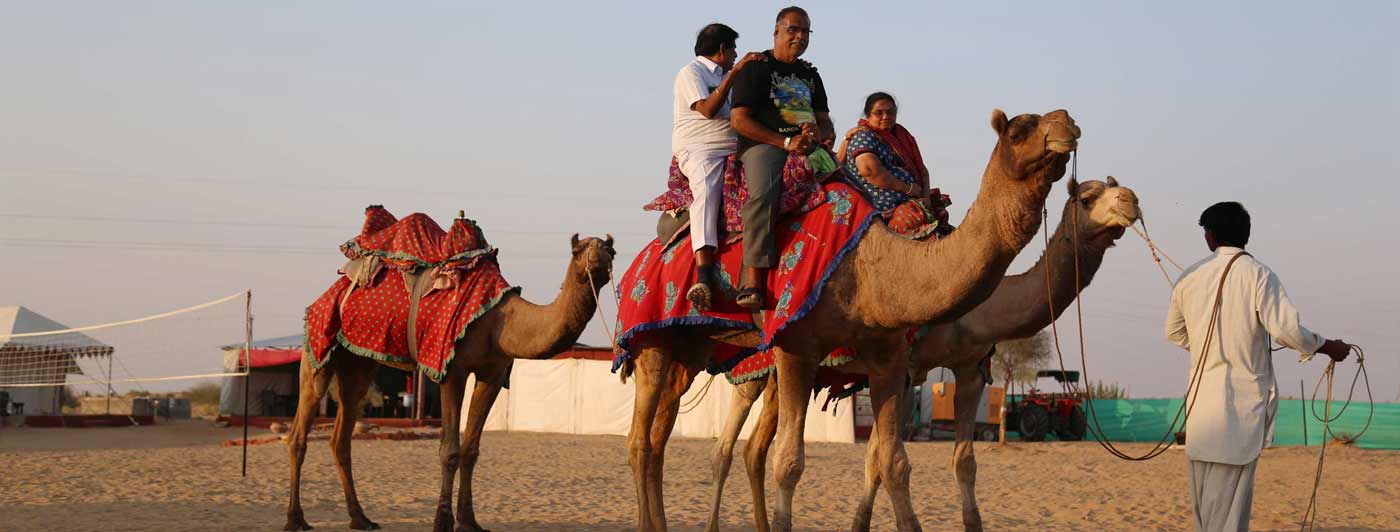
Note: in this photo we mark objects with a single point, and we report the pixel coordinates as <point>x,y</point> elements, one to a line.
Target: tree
<point>1018,360</point>
<point>206,393</point>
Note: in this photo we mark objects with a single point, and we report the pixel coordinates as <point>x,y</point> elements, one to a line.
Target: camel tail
<point>628,366</point>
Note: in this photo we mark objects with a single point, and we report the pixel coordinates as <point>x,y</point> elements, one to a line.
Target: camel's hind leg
<point>312,387</point>
<point>739,406</point>
<point>679,376</point>
<point>795,376</point>
<point>872,485</point>
<point>488,386</point>
<point>353,375</point>
<point>449,447</point>
<point>756,450</point>
<point>966,399</point>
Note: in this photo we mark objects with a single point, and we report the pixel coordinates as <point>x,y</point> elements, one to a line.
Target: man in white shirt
<point>1226,310</point>
<point>701,141</point>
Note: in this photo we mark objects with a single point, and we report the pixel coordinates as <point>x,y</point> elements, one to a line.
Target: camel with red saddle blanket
<point>869,295</point>
<point>415,295</point>
<point>1095,215</point>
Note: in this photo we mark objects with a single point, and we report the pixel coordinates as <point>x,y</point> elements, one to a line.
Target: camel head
<point>1104,210</point>
<point>1035,148</point>
<point>592,260</point>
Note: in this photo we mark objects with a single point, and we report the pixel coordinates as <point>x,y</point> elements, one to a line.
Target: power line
<point>230,223</point>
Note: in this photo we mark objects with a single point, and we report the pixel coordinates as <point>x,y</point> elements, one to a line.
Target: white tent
<point>578,394</point>
<point>40,360</point>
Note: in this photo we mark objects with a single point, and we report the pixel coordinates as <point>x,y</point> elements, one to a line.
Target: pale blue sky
<point>274,124</point>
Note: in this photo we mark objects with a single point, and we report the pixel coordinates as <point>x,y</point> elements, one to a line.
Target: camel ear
<point>1112,182</point>
<point>999,121</point>
<point>1073,186</point>
<point>573,242</point>
<point>609,240</point>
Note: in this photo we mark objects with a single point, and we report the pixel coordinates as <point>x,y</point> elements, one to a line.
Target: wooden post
<point>1001,439</point>
<point>247,372</point>
<point>418,400</point>
<point>109,383</point>
<point>1302,398</point>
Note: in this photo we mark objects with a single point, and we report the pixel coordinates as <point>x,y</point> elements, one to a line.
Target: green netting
<point>1148,419</point>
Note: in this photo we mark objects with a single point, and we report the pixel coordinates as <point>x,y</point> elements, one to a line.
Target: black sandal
<point>749,298</point>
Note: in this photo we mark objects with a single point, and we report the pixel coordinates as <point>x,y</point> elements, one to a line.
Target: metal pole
<point>247,371</point>
<point>1303,399</point>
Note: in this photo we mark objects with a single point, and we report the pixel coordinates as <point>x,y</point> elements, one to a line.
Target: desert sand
<point>177,477</point>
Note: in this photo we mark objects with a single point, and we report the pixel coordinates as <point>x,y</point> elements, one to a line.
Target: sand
<point>176,477</point>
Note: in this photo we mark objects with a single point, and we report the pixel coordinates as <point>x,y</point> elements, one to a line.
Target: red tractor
<point>1035,414</point>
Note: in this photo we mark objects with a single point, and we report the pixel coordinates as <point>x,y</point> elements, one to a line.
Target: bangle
<point>909,190</point>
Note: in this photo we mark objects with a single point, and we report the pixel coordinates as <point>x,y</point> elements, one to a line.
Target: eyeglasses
<point>796,30</point>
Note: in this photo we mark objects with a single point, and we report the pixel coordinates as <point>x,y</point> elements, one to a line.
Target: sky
<point>156,155</point>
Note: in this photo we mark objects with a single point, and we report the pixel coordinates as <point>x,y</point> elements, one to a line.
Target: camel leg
<point>739,407</point>
<point>795,376</point>
<point>449,447</point>
<point>872,485</point>
<point>483,397</point>
<point>966,399</point>
<point>678,380</point>
<point>756,451</point>
<point>649,376</point>
<point>354,374</point>
<point>312,386</point>
<point>887,390</point>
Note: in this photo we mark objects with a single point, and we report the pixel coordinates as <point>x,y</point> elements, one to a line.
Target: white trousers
<point>703,166</point>
<point>1221,496</point>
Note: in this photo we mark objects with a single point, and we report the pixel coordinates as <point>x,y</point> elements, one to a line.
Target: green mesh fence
<point>1146,420</point>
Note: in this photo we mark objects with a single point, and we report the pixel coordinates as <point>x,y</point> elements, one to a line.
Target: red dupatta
<point>903,144</point>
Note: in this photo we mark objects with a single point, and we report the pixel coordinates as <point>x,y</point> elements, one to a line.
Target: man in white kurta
<point>1231,421</point>
<point>701,141</point>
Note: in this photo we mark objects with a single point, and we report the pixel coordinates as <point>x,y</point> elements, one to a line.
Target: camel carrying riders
<point>779,108</point>
<point>702,141</point>
<point>1225,310</point>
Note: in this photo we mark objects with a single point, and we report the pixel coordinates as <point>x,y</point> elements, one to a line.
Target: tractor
<point>1035,413</point>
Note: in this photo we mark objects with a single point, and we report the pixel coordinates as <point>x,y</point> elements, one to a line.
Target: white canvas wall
<point>575,396</point>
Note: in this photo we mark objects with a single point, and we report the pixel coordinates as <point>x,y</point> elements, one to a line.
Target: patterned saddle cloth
<point>802,192</point>
<point>408,293</point>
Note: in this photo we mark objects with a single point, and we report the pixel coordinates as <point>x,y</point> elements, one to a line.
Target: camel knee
<point>896,472</point>
<point>638,453</point>
<point>788,471</point>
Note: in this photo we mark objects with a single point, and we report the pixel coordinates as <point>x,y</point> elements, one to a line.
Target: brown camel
<point>1101,211</point>
<point>886,285</point>
<point>514,328</point>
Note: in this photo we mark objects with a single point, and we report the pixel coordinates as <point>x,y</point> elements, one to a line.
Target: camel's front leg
<point>678,379</point>
<point>966,399</point>
<point>887,389</point>
<point>872,485</point>
<point>739,406</point>
<point>756,451</point>
<point>312,387</point>
<point>354,374</point>
<point>483,397</point>
<point>649,377</point>
<point>795,376</point>
<point>449,447</point>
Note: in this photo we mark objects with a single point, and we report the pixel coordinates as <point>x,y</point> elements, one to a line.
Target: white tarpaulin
<point>579,396</point>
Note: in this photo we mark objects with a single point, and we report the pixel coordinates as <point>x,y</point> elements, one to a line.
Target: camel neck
<point>540,331</point>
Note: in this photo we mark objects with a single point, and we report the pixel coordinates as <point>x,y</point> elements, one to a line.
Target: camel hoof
<point>465,528</point>
<point>296,523</point>
<point>363,524</point>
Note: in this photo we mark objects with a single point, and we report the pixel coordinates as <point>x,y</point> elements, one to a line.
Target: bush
<point>1102,390</point>
<point>207,393</point>
<point>70,399</point>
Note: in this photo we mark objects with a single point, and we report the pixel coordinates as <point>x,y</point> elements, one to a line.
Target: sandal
<point>699,296</point>
<point>749,298</point>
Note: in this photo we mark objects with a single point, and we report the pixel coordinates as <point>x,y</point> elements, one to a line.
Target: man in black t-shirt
<point>779,106</point>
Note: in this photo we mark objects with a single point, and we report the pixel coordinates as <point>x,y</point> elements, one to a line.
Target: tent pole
<point>109,384</point>
<point>247,372</point>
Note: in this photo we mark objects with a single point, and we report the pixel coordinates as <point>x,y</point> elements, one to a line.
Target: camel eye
<point>1085,201</point>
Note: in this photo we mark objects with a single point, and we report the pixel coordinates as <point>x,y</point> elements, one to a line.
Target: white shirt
<point>1238,396</point>
<point>695,82</point>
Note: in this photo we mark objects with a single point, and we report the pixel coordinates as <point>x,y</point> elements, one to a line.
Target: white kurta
<point>1238,397</point>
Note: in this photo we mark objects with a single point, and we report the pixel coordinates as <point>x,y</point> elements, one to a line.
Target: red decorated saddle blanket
<point>801,192</point>
<point>368,311</point>
<point>811,245</point>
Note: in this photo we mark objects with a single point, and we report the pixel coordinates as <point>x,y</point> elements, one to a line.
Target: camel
<point>514,328</point>
<point>885,286</point>
<point>1100,210</point>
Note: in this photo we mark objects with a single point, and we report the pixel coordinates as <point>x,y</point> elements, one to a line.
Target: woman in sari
<point>883,160</point>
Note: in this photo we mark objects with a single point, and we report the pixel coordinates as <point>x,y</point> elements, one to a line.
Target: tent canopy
<point>56,354</point>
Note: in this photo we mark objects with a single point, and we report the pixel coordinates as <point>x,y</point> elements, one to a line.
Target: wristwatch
<point>786,140</point>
